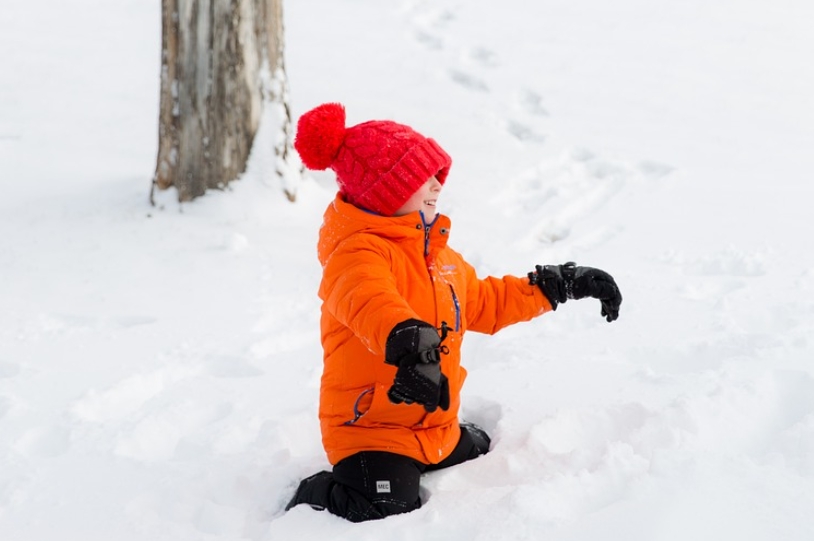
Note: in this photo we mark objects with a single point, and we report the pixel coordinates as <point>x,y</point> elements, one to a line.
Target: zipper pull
<point>444,331</point>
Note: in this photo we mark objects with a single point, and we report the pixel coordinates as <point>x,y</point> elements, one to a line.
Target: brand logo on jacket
<point>383,487</point>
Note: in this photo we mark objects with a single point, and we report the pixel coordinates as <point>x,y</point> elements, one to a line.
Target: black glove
<point>415,347</point>
<point>561,282</point>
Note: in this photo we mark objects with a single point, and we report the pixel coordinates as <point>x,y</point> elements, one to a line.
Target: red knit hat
<point>379,164</point>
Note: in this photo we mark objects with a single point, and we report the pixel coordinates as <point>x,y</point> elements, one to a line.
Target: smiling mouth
<point>430,203</point>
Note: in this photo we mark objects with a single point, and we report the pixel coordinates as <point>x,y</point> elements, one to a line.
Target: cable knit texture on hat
<point>379,164</point>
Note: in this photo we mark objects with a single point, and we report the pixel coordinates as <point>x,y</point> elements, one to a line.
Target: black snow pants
<point>374,484</point>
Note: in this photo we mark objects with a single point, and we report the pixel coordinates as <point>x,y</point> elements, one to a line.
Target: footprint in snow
<point>530,102</point>
<point>428,22</point>
<point>483,56</point>
<point>654,170</point>
<point>430,41</point>
<point>523,132</point>
<point>468,81</point>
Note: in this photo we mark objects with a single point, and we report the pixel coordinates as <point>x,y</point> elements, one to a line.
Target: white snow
<point>159,367</point>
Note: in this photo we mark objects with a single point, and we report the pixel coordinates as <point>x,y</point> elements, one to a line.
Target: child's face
<point>424,199</point>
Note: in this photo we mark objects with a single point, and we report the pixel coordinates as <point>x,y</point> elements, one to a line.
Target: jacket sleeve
<point>359,290</point>
<point>494,303</point>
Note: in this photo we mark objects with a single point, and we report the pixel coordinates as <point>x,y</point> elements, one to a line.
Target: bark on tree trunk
<point>212,94</point>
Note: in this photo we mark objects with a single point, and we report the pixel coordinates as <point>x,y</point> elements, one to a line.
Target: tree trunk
<point>289,168</point>
<point>212,89</point>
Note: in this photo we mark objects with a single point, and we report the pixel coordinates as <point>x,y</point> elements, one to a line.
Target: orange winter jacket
<point>380,271</point>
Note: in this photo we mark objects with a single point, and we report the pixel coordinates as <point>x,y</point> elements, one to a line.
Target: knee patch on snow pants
<point>374,484</point>
<point>366,486</point>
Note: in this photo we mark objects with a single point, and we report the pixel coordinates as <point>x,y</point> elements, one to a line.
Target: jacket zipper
<point>427,229</point>
<point>457,309</point>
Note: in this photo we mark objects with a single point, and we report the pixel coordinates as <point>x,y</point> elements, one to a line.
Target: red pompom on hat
<point>379,164</point>
<point>320,133</point>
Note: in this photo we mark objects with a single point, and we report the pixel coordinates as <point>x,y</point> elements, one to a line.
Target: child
<point>396,302</point>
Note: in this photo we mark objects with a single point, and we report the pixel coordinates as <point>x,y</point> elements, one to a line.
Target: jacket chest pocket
<point>450,308</point>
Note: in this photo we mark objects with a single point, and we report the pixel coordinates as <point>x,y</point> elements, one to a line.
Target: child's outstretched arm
<point>493,303</point>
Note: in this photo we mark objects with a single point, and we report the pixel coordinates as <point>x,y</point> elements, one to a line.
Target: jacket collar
<point>342,219</point>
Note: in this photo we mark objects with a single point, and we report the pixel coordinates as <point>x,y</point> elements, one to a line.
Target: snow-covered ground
<point>159,367</point>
